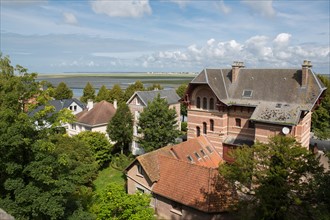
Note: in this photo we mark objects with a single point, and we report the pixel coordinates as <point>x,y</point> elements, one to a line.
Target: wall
<point>136,180</point>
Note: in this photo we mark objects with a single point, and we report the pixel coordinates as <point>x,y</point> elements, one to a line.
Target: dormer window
<point>247,93</point>
<point>190,159</point>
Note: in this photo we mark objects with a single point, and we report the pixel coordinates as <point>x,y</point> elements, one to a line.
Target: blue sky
<point>164,35</point>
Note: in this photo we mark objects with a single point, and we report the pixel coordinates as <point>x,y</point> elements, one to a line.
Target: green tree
<point>321,116</point>
<point>120,128</point>
<point>279,179</point>
<point>103,94</point>
<point>155,87</point>
<point>158,125</point>
<point>137,86</point>
<point>181,91</point>
<point>116,93</point>
<point>88,93</point>
<point>98,143</point>
<point>62,91</point>
<point>115,203</point>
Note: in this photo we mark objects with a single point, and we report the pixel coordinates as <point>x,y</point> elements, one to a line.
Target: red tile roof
<point>193,185</point>
<point>100,114</point>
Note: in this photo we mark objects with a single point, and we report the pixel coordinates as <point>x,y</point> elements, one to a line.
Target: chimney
<point>235,70</point>
<point>90,104</point>
<point>304,73</point>
<point>115,104</point>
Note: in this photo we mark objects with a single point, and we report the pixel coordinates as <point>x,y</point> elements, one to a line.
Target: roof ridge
<point>188,163</point>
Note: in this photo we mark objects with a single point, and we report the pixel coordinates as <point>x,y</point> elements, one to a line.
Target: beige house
<point>183,181</point>
<point>140,100</point>
<point>94,118</point>
<point>239,106</point>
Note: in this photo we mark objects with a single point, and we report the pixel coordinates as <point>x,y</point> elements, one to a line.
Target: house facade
<point>94,118</point>
<point>183,181</point>
<point>140,100</point>
<point>239,106</point>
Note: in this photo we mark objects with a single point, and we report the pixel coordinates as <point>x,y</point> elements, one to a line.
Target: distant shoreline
<point>118,74</point>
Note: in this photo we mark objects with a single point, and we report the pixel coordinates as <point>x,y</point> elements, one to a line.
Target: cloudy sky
<point>50,36</point>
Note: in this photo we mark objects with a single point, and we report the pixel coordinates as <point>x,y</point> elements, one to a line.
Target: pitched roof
<point>100,114</point>
<point>196,186</point>
<point>266,89</point>
<point>59,105</point>
<point>148,96</point>
<point>181,151</point>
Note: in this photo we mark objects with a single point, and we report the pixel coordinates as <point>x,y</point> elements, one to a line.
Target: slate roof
<point>269,88</point>
<point>149,161</point>
<point>59,105</point>
<point>100,114</point>
<point>196,186</point>
<point>148,96</point>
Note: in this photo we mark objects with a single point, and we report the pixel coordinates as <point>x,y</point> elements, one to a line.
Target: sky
<point>57,36</point>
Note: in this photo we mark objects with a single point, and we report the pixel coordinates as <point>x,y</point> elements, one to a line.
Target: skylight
<point>190,159</point>
<point>247,93</point>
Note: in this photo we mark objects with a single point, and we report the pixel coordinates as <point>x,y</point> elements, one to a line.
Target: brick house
<point>94,118</point>
<point>183,180</point>
<point>239,106</point>
<point>140,100</point>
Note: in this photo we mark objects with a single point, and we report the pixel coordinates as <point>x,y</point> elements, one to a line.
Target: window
<point>251,124</point>
<point>138,189</point>
<point>136,115</point>
<point>140,169</point>
<point>209,149</point>
<point>204,103</point>
<point>211,103</point>
<point>75,108</point>
<point>247,94</point>
<point>138,101</point>
<point>73,126</point>
<point>278,105</point>
<point>204,128</point>
<point>203,153</point>
<point>70,107</point>
<point>176,208</point>
<point>197,155</point>
<point>237,122</point>
<point>198,102</point>
<point>211,125</point>
<point>190,159</point>
<point>198,131</point>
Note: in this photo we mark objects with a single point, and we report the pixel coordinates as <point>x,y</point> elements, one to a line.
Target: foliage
<point>88,93</point>
<point>116,93</point>
<point>120,128</point>
<point>62,91</point>
<point>281,176</point>
<point>98,143</point>
<point>321,116</point>
<point>43,175</point>
<point>109,175</point>
<point>115,203</point>
<point>158,125</point>
<point>121,161</point>
<point>137,86</point>
<point>181,91</point>
<point>103,94</point>
<point>155,86</point>
<point>184,127</point>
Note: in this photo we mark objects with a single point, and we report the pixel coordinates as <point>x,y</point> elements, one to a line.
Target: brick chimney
<point>304,73</point>
<point>235,70</point>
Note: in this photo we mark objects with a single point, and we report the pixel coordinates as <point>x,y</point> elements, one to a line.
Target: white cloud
<point>127,8</point>
<point>282,38</point>
<point>265,8</point>
<point>181,3</point>
<point>69,18</point>
<point>224,8</point>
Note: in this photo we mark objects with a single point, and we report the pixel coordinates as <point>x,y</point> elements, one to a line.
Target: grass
<point>107,176</point>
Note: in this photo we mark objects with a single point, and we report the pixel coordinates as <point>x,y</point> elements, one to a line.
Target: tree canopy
<point>120,128</point>
<point>321,116</point>
<point>158,125</point>
<point>62,91</point>
<point>116,93</point>
<point>137,86</point>
<point>181,92</point>
<point>279,179</point>
<point>115,203</point>
<point>103,94</point>
<point>88,93</point>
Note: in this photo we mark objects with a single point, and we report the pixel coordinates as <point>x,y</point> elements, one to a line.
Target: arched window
<point>211,103</point>
<point>204,103</point>
<point>198,131</point>
<point>204,128</point>
<point>198,102</point>
<point>211,125</point>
